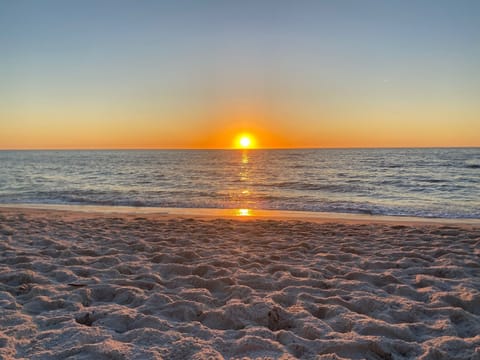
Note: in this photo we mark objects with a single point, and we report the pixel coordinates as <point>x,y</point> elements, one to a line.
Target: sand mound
<point>116,287</point>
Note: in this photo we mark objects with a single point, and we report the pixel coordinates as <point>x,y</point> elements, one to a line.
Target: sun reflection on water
<point>244,212</point>
<point>245,157</point>
<point>243,194</point>
<point>244,167</point>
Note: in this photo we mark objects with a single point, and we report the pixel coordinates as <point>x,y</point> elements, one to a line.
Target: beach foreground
<point>123,286</point>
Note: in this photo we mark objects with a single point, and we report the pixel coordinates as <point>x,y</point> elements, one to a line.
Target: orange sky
<point>84,130</point>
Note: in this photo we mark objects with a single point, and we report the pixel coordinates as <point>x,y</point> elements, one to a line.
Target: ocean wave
<point>472,166</point>
<point>299,185</point>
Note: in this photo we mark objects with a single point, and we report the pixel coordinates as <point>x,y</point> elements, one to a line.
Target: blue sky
<point>313,73</point>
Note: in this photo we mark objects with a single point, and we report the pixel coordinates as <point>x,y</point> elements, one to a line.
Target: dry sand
<point>120,286</point>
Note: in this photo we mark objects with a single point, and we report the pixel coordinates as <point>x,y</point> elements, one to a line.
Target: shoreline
<point>239,214</point>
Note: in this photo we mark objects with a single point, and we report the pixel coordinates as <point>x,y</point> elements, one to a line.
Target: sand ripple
<point>111,287</point>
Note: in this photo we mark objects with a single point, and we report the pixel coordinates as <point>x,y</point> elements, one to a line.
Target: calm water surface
<point>414,182</point>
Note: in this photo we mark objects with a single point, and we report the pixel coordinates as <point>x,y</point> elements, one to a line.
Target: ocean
<point>438,183</point>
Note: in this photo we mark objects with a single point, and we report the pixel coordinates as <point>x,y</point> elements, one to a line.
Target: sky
<point>195,74</point>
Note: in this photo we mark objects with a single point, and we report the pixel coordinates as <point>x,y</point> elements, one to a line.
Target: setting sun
<point>245,141</point>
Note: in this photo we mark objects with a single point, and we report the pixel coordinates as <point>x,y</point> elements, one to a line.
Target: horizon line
<point>243,149</point>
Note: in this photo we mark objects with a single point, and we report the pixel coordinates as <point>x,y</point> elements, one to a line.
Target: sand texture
<point>87,286</point>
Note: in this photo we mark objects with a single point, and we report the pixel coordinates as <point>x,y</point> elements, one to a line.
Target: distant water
<point>441,183</point>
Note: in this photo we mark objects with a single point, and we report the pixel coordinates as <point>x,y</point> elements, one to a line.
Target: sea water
<point>441,183</point>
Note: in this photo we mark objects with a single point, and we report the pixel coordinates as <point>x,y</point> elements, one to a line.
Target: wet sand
<point>87,285</point>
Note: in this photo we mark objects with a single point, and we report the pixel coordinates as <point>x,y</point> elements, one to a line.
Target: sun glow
<point>245,141</point>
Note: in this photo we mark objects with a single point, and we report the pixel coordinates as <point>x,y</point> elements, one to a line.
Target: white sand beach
<point>124,286</point>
